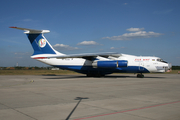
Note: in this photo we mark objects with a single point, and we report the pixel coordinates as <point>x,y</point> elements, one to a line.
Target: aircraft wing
<point>87,55</point>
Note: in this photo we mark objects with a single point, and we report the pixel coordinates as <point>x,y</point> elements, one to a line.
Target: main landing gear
<point>95,75</point>
<point>140,75</point>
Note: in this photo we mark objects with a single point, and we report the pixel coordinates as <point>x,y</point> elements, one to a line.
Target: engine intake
<point>110,64</point>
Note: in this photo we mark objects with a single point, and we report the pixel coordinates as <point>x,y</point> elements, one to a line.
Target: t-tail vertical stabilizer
<point>39,43</point>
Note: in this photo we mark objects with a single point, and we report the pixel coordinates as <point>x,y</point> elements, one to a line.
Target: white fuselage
<point>136,64</point>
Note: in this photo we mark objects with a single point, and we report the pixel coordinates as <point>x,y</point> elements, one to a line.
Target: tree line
<point>26,68</point>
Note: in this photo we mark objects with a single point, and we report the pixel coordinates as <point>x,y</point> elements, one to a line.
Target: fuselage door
<point>141,66</point>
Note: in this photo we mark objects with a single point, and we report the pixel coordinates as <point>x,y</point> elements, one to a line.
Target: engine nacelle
<point>122,63</point>
<point>110,64</point>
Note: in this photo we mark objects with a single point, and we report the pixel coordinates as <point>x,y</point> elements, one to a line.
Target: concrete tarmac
<point>115,97</point>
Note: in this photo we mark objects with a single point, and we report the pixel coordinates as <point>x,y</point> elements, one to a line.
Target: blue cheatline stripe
<point>86,69</point>
<point>34,40</point>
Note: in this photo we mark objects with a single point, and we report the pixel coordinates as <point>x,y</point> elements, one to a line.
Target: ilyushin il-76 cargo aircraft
<point>92,64</point>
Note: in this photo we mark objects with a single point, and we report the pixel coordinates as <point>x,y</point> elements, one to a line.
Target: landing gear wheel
<point>89,75</point>
<point>140,75</point>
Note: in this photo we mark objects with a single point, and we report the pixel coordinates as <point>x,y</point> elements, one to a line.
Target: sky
<point>135,27</point>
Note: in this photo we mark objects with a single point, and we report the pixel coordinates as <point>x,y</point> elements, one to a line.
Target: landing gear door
<point>141,66</point>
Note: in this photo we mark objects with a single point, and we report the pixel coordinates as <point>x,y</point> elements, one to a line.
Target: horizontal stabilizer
<point>31,31</point>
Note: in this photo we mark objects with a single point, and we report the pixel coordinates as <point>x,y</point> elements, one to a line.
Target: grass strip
<point>52,72</point>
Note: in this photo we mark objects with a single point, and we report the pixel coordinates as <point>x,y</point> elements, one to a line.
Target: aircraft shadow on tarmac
<point>109,76</point>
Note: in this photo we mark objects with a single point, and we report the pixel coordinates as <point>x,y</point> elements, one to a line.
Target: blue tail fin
<point>40,44</point>
<point>38,41</point>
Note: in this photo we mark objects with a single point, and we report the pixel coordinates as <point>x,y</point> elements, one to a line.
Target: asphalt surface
<point>115,97</point>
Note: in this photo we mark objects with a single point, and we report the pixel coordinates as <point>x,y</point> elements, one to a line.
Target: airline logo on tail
<point>42,43</point>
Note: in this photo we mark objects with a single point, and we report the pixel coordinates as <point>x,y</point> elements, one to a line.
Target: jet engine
<point>109,63</point>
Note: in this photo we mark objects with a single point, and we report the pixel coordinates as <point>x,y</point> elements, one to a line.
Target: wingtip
<point>12,27</point>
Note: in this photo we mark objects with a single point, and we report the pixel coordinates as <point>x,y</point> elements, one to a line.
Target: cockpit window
<point>161,60</point>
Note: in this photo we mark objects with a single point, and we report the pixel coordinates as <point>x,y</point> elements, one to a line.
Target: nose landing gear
<point>140,75</point>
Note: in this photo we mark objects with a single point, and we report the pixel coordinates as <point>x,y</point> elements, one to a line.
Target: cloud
<point>64,47</point>
<point>135,29</point>
<point>27,20</point>
<point>22,55</point>
<point>114,48</point>
<point>134,35</point>
<point>88,43</point>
